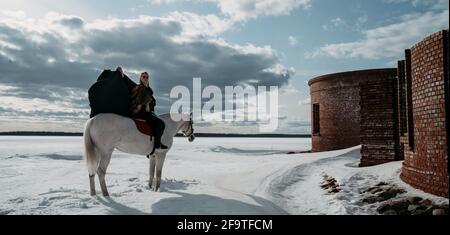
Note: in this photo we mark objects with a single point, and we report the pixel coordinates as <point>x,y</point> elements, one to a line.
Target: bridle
<point>190,132</point>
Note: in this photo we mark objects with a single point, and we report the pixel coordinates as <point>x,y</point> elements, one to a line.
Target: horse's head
<point>189,129</point>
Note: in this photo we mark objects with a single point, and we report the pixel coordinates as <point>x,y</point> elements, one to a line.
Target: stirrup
<point>162,146</point>
<point>153,150</point>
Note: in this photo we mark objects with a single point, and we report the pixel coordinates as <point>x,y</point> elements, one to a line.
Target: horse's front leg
<point>159,165</point>
<point>152,170</point>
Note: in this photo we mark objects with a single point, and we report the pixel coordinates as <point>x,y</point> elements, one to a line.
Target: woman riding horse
<point>143,107</point>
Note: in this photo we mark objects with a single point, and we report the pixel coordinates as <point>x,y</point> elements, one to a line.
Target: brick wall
<point>379,133</point>
<point>426,162</point>
<point>338,97</point>
<point>401,98</point>
<point>406,117</point>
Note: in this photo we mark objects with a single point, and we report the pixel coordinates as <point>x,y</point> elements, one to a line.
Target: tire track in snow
<point>296,188</point>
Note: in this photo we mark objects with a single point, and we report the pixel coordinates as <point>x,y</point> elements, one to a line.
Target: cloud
<point>25,110</point>
<point>306,101</point>
<point>45,57</point>
<point>335,24</point>
<point>247,9</point>
<point>74,22</point>
<point>387,41</point>
<point>56,58</point>
<point>434,4</point>
<point>14,14</point>
<point>293,41</point>
<point>194,25</point>
<point>160,2</point>
<point>242,10</point>
<point>361,21</point>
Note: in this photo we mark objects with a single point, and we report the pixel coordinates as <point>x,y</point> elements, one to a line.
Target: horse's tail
<point>90,153</point>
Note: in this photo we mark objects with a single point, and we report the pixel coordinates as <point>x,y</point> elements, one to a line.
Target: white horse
<point>106,132</point>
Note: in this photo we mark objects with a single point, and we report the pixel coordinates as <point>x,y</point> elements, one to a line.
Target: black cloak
<point>111,94</point>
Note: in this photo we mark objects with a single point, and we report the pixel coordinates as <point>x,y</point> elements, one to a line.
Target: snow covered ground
<point>46,175</point>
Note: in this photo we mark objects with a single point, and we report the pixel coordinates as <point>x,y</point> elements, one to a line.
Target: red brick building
<point>424,119</point>
<point>398,114</point>
<point>338,118</point>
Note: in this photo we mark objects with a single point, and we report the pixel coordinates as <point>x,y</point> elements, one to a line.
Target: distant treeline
<point>251,135</point>
<point>42,133</point>
<point>38,133</point>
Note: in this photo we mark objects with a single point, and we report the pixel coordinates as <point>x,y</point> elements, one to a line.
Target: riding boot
<point>158,144</point>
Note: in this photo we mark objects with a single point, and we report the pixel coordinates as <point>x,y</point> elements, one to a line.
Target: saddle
<point>143,126</point>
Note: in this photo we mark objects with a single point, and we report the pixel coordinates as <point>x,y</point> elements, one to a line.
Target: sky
<point>50,53</point>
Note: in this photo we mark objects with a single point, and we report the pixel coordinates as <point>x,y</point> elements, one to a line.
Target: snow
<point>46,175</point>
